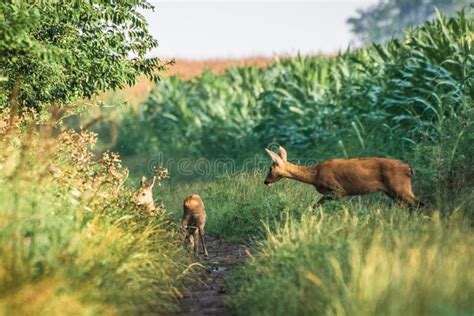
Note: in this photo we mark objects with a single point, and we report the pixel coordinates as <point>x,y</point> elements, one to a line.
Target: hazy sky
<point>220,29</point>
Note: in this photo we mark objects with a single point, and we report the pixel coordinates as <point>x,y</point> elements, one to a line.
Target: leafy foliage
<point>57,51</point>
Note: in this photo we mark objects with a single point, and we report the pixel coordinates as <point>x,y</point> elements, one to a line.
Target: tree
<point>389,18</point>
<point>56,51</point>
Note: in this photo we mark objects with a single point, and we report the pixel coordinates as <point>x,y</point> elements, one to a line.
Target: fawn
<point>336,178</point>
<point>193,221</point>
<point>145,195</point>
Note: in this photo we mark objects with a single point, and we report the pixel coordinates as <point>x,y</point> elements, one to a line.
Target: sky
<point>234,29</point>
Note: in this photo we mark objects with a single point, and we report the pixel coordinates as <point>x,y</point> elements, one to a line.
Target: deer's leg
<point>191,241</point>
<point>397,198</point>
<point>329,194</point>
<point>333,195</point>
<point>323,200</point>
<point>201,236</point>
<point>399,188</point>
<point>405,197</point>
<point>184,226</point>
<point>415,204</point>
<point>196,242</point>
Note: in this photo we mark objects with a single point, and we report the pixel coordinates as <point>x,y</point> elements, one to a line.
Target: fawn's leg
<point>184,226</point>
<point>196,242</point>
<point>191,241</point>
<point>201,235</point>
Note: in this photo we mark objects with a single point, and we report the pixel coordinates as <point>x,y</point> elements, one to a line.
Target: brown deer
<point>193,221</point>
<point>336,178</point>
<point>145,195</point>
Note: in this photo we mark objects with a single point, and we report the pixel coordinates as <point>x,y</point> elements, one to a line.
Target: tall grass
<point>357,256</point>
<point>71,240</point>
<point>377,261</point>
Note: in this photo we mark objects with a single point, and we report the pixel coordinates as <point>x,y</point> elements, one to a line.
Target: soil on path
<point>208,296</point>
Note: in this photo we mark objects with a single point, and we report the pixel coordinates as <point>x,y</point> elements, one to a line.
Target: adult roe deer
<point>193,221</point>
<point>336,178</point>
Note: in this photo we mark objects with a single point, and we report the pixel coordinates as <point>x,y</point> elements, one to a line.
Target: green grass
<point>360,261</point>
<point>356,256</point>
<point>237,205</point>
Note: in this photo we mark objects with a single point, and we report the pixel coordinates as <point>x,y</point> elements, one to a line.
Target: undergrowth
<point>71,240</point>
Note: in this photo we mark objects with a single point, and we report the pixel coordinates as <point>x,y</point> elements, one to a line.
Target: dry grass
<point>187,68</point>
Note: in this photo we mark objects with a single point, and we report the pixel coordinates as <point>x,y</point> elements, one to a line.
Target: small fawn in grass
<point>337,178</point>
<point>145,195</point>
<point>194,214</point>
<point>193,222</point>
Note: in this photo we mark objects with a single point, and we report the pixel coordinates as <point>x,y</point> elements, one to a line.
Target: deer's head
<point>278,168</point>
<point>145,193</point>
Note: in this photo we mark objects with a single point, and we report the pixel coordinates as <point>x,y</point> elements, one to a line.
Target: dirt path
<point>208,296</point>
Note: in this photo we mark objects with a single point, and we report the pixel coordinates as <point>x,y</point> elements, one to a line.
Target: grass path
<point>208,296</point>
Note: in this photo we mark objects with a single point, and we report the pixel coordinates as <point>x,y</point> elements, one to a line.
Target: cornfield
<point>402,92</point>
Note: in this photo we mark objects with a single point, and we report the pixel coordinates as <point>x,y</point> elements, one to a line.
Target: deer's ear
<point>283,153</point>
<point>152,182</point>
<point>143,181</point>
<point>276,159</point>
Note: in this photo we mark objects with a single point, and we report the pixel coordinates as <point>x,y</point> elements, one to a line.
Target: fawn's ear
<point>143,181</point>
<point>152,182</point>
<point>276,159</point>
<point>283,153</point>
